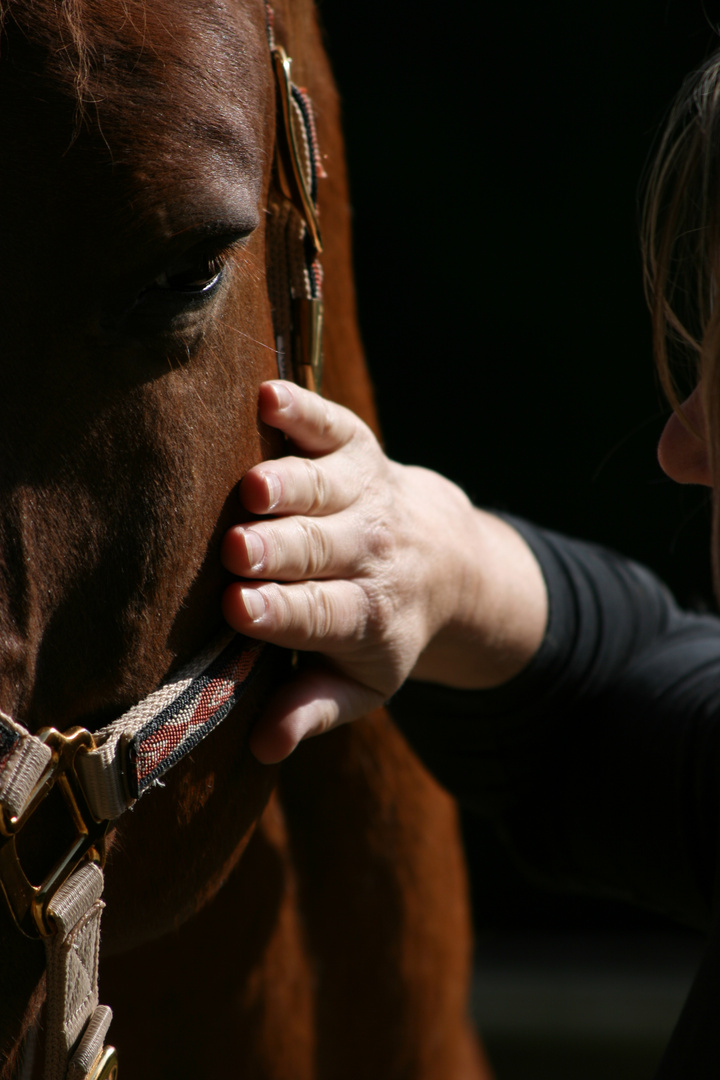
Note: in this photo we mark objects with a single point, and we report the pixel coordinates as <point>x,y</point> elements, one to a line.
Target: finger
<point>317,700</point>
<point>297,485</point>
<point>311,615</point>
<point>293,548</point>
<point>314,424</point>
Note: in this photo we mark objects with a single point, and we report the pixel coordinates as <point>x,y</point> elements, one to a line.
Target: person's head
<point>681,248</point>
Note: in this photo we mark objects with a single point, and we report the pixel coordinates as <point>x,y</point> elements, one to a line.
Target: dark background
<point>496,152</point>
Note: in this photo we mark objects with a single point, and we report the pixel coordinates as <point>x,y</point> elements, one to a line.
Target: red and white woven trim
<point>181,725</point>
<point>135,751</point>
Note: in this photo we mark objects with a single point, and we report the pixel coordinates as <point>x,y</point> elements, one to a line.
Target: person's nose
<point>682,454</point>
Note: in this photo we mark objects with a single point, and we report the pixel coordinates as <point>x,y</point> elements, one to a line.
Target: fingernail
<point>254,549</point>
<point>254,603</point>
<point>272,482</point>
<point>283,397</point>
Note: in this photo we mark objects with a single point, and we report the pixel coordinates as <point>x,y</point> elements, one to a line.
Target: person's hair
<point>681,254</point>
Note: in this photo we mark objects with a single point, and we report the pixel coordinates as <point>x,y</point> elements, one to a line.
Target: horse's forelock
<point>97,47</point>
<point>73,32</point>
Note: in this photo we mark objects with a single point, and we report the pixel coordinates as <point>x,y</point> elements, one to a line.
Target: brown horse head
<point>136,328</point>
<point>137,155</point>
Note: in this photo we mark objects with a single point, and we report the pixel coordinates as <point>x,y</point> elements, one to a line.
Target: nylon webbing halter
<point>98,776</point>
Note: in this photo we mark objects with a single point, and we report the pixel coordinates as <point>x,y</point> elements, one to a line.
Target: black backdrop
<point>496,151</point>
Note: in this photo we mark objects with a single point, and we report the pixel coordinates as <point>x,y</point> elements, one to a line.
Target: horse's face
<point>135,330</point>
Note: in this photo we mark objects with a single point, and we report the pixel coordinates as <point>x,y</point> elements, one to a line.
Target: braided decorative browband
<point>100,776</point>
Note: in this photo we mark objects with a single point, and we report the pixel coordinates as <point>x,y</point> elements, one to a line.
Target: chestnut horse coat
<point>293,923</point>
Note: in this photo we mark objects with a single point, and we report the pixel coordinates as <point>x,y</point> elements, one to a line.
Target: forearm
<point>599,761</point>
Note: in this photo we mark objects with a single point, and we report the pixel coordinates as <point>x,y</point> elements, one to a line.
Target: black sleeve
<point>599,762</point>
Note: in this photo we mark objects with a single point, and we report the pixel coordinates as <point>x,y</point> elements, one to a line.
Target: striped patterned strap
<point>137,750</point>
<point>132,754</point>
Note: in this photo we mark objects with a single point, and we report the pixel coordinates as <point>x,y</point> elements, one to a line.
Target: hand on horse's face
<point>377,567</point>
<point>335,569</point>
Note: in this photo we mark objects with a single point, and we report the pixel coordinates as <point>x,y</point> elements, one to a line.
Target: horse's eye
<point>194,273</point>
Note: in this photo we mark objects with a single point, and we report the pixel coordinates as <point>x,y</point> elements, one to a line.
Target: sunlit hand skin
<point>378,570</point>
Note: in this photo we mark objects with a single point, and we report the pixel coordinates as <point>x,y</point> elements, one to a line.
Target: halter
<point>294,242</point>
<point>100,775</point>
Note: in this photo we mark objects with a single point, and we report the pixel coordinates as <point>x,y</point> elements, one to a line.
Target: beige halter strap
<point>98,776</point>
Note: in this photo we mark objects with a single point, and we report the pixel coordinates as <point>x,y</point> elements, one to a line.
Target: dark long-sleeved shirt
<point>601,760</point>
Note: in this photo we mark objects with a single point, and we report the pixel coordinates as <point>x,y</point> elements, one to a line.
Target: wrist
<point>494,606</point>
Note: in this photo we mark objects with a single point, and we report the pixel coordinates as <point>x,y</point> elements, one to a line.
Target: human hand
<point>373,566</point>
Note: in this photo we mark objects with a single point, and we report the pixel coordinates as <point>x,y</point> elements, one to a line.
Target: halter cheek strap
<point>294,243</point>
<point>100,776</point>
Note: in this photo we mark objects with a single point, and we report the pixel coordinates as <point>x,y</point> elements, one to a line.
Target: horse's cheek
<point>170,856</point>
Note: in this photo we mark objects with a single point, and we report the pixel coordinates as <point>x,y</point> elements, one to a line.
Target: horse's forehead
<point>174,96</point>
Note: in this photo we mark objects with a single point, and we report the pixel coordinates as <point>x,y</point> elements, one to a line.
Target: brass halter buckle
<point>106,1066</point>
<point>29,902</point>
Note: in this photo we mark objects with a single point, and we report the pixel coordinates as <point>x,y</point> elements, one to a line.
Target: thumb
<point>314,701</point>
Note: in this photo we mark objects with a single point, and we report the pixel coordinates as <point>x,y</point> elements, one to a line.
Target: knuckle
<point>381,541</point>
<point>317,486</point>
<point>326,419</point>
<point>316,548</point>
<point>379,612</point>
<point>321,615</point>
<point>277,550</point>
<point>288,610</point>
<point>326,718</point>
<point>278,606</point>
<point>303,613</point>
